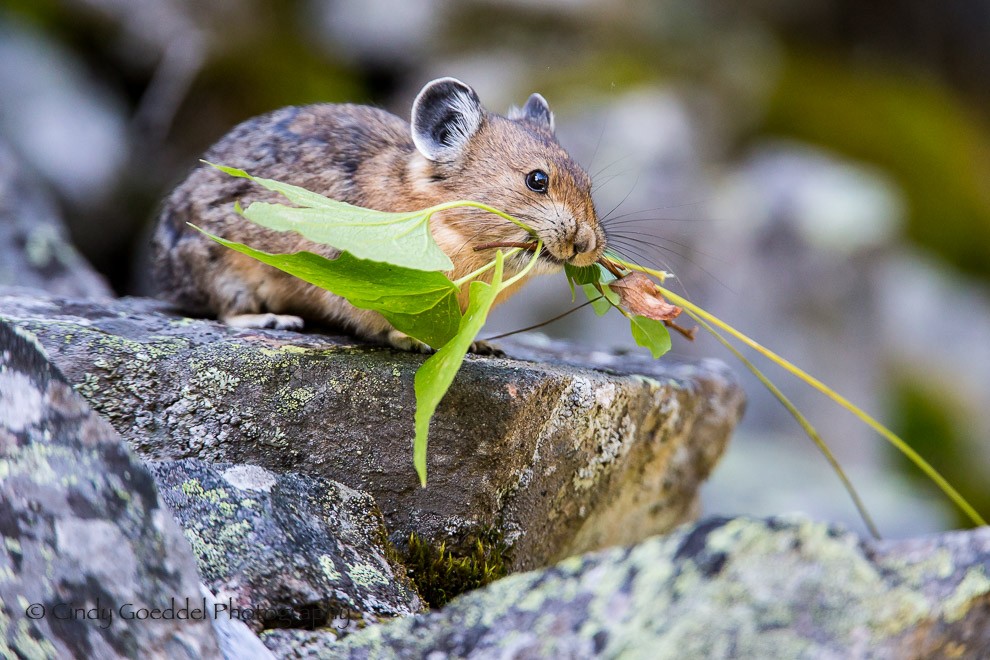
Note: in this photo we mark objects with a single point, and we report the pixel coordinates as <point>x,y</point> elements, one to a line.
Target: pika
<point>453,149</point>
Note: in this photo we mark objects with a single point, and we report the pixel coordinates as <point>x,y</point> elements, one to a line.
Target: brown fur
<point>363,156</point>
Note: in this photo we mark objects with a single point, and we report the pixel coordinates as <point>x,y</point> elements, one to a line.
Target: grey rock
<point>234,637</point>
<point>34,248</point>
<point>286,550</point>
<point>723,588</point>
<point>577,451</point>
<point>296,644</point>
<point>87,544</point>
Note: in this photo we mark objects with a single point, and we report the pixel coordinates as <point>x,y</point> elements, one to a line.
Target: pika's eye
<point>538,181</point>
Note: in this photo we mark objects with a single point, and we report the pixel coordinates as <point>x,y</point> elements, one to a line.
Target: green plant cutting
<point>390,263</point>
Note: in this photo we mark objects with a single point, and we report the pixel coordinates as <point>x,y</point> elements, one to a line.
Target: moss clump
<point>441,574</point>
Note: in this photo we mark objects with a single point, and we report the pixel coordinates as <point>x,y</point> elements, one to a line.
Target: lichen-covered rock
<point>286,550</point>
<point>298,644</point>
<point>87,545</point>
<point>34,249</point>
<point>723,588</point>
<point>573,452</point>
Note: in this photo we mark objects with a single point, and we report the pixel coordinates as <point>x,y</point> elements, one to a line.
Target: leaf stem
<point>661,275</point>
<point>801,419</point>
<point>478,205</point>
<point>484,269</point>
<point>521,274</point>
<point>698,313</point>
<point>506,244</point>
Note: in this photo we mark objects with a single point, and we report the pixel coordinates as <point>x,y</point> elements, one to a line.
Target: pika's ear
<point>445,115</point>
<point>536,110</point>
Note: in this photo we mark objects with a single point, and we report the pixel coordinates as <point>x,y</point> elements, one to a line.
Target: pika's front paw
<point>404,342</point>
<point>273,321</point>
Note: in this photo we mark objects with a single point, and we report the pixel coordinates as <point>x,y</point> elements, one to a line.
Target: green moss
<point>441,574</point>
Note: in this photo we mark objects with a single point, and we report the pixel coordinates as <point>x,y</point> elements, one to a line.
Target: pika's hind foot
<point>273,321</point>
<point>482,347</point>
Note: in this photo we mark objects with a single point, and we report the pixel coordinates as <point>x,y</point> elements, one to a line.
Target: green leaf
<point>435,326</point>
<point>650,334</point>
<point>601,296</point>
<point>403,239</point>
<point>422,304</point>
<point>610,295</point>
<point>434,377</point>
<point>584,274</point>
<point>581,275</point>
<point>599,303</point>
<point>294,194</point>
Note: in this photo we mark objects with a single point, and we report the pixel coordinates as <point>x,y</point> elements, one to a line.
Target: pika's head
<point>513,164</point>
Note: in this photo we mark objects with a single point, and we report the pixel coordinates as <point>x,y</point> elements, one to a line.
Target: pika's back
<point>335,150</point>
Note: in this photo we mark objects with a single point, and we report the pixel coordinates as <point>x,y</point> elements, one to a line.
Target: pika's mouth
<point>546,256</point>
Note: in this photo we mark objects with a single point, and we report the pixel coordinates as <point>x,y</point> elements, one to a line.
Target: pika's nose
<point>584,241</point>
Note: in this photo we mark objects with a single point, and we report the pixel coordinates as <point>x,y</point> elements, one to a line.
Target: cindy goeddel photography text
<point>104,614</point>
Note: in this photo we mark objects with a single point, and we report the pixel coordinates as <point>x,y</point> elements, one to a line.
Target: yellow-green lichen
<point>192,488</point>
<point>974,585</point>
<point>27,646</point>
<point>227,509</point>
<point>210,379</point>
<point>329,569</point>
<point>211,553</point>
<point>294,399</point>
<point>210,556</point>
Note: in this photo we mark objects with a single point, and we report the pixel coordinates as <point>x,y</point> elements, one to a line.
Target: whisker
<point>598,143</point>
<point>612,164</point>
<point>614,208</point>
<point>630,234</point>
<point>649,222</point>
<point>675,252</point>
<point>646,260</point>
<point>600,184</point>
<point>662,208</point>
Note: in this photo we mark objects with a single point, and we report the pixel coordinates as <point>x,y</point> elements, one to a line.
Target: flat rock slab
<point>286,550</point>
<point>724,588</point>
<point>89,550</point>
<point>575,452</point>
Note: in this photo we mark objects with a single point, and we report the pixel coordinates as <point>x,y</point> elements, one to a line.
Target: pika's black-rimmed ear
<point>536,110</point>
<point>445,115</point>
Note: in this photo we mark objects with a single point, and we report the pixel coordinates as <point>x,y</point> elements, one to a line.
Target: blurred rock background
<point>816,173</point>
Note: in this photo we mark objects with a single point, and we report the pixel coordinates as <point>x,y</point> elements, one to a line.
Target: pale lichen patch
<point>366,575</point>
<point>974,585</point>
<point>329,568</point>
